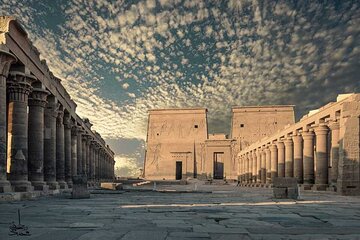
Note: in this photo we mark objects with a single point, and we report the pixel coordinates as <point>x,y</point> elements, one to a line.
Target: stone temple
<point>321,150</point>
<point>43,142</point>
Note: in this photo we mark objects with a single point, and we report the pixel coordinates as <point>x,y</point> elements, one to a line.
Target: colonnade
<point>311,155</point>
<point>43,144</point>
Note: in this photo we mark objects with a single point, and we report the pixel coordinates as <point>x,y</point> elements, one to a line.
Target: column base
<point>320,187</point>
<point>40,186</point>
<point>5,186</point>
<point>53,185</point>
<point>21,186</point>
<point>306,186</point>
<point>62,185</point>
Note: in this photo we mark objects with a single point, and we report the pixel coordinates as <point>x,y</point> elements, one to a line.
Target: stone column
<point>240,168</point>
<point>67,149</point>
<point>263,166</point>
<point>268,165</point>
<point>249,169</point>
<point>289,157</point>
<point>19,88</point>
<point>258,165</point>
<point>254,170</point>
<point>274,161</point>
<point>281,158</point>
<point>37,104</point>
<point>246,167</point>
<point>84,155</point>
<point>60,150</point>
<point>6,59</point>
<point>80,132</point>
<point>50,143</point>
<point>88,155</point>
<point>298,157</point>
<point>74,154</point>
<point>321,164</point>
<point>334,153</point>
<point>97,163</point>
<point>92,161</point>
<point>308,158</point>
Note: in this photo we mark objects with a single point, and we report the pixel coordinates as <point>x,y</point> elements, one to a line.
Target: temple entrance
<point>178,170</point>
<point>218,165</point>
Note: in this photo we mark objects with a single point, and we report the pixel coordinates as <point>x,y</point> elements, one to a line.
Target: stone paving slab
<point>244,214</point>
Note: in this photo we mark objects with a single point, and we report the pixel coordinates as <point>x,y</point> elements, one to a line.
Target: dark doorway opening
<point>178,170</point>
<point>218,165</point>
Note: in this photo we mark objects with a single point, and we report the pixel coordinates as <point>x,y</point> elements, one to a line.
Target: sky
<point>118,59</point>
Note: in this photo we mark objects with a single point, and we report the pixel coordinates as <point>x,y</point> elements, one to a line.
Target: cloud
<point>184,54</point>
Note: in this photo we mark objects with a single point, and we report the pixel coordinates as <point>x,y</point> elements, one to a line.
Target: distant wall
<point>250,124</point>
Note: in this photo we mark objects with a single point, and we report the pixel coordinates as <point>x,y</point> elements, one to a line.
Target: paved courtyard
<point>229,212</point>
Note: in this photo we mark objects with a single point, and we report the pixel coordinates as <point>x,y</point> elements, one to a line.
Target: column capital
<point>280,144</point>
<point>321,129</point>
<point>273,147</point>
<point>60,117</point>
<point>19,85</point>
<point>267,149</point>
<point>74,130</point>
<point>297,138</point>
<point>288,141</point>
<point>6,59</point>
<point>334,125</point>
<point>308,134</point>
<point>67,121</point>
<point>38,97</point>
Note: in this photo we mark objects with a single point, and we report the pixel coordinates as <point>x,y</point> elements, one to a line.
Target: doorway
<point>218,165</point>
<point>178,174</point>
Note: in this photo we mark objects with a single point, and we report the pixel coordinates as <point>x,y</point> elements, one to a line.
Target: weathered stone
<point>80,189</point>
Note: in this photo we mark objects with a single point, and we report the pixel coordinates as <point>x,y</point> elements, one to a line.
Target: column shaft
<point>67,149</point>
<point>268,165</point>
<point>334,153</point>
<point>308,157</point>
<point>258,165</point>
<point>274,161</point>
<point>79,151</point>
<point>254,169</point>
<point>37,104</point>
<point>60,150</point>
<point>281,159</point>
<point>50,143</point>
<point>289,157</point>
<point>298,158</point>
<point>6,59</point>
<point>74,154</point>
<point>322,164</point>
<point>263,166</point>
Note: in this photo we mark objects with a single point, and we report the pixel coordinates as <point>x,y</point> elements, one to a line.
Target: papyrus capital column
<point>274,160</point>
<point>67,148</point>
<point>37,104</point>
<point>308,156</point>
<point>321,164</point>
<point>289,157</point>
<point>18,88</point>
<point>50,143</point>
<point>60,149</point>
<point>6,59</point>
<point>298,157</point>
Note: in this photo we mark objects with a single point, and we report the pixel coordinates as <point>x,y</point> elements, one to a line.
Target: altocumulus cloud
<point>184,53</point>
